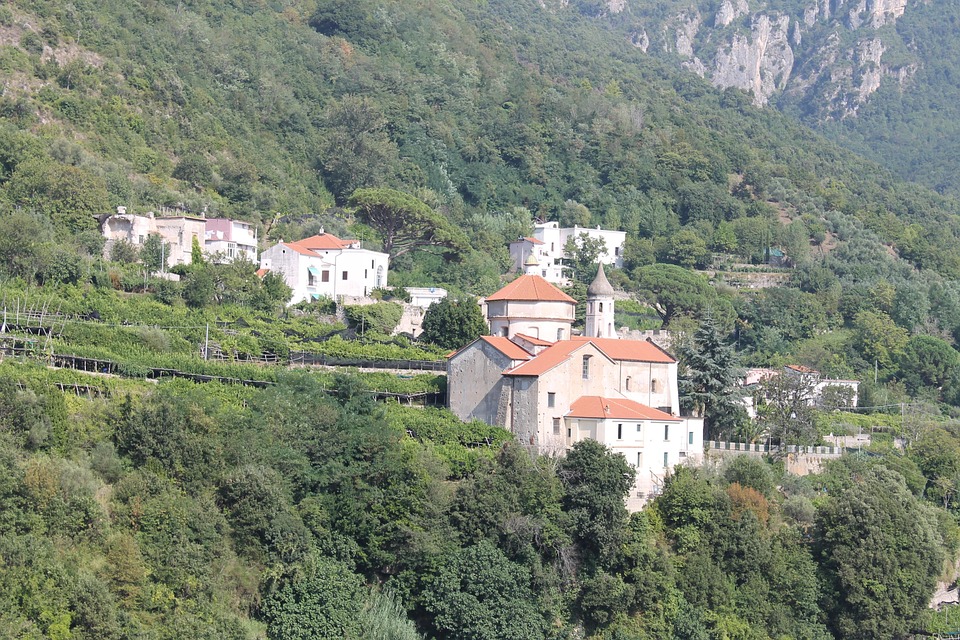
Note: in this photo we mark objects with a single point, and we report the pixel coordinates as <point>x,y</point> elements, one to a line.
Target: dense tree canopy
<point>453,323</point>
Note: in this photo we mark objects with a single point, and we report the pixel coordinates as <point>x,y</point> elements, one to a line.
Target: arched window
<point>586,367</point>
<point>601,307</point>
<point>629,380</point>
<point>654,386</point>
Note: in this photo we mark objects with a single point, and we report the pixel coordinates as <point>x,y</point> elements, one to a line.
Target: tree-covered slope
<point>262,111</point>
<point>876,77</point>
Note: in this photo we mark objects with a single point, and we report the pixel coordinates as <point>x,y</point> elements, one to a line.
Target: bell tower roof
<point>600,285</point>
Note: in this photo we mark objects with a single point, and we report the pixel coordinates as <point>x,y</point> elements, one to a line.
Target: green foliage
<point>318,599</point>
<point>380,317</point>
<point>710,371</point>
<point>881,552</point>
<point>453,323</point>
<point>479,594</point>
<point>595,482</point>
<point>404,222</point>
<point>928,362</point>
<point>674,292</point>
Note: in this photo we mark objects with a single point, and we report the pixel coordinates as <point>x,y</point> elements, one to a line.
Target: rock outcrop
<point>828,53</point>
<point>761,62</point>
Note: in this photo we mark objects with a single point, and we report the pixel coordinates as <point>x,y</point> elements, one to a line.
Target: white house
<point>423,297</point>
<point>230,240</point>
<point>324,266</point>
<point>552,389</point>
<point>411,321</point>
<point>814,386</point>
<point>547,246</point>
<point>176,231</point>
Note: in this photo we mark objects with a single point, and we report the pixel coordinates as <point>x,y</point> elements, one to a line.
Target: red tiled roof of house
<point>547,359</point>
<point>616,409</point>
<point>300,249</point>
<point>532,288</point>
<point>631,350</point>
<point>535,341</point>
<point>533,240</point>
<point>799,368</point>
<point>262,272</point>
<point>507,347</point>
<point>323,241</point>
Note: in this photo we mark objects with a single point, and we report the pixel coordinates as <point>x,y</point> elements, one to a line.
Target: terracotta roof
<point>299,249</point>
<point>799,368</point>
<point>533,240</point>
<point>262,272</point>
<point>547,359</point>
<point>532,340</point>
<point>631,350</point>
<point>506,347</point>
<point>533,288</point>
<point>324,241</point>
<point>615,409</point>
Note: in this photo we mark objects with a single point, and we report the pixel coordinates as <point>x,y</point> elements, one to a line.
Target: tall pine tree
<point>709,369</point>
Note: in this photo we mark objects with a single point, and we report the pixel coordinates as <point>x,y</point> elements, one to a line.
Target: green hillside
<point>255,498</point>
<point>279,112</point>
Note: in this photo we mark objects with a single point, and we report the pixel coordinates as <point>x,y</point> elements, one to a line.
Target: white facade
<point>228,240</point>
<point>176,231</point>
<point>599,321</point>
<point>547,246</point>
<point>324,266</point>
<point>423,297</point>
<point>653,445</point>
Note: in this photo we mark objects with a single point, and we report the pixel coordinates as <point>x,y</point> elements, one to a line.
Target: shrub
<point>381,317</point>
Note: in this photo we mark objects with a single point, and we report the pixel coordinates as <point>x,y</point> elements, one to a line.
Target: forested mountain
<point>878,77</point>
<point>263,111</point>
<point>289,504</point>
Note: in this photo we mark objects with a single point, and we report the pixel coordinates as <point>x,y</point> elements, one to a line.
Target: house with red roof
<point>553,389</point>
<point>325,266</point>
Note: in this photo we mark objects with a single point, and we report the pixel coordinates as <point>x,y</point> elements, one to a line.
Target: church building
<point>552,389</point>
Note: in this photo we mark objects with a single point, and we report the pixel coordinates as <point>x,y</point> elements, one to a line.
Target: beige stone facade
<point>552,393</point>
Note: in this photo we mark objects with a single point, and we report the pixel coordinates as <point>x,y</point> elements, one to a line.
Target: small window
<point>556,426</point>
<point>569,433</point>
<point>325,275</point>
<point>543,273</point>
<point>666,459</point>
<point>619,432</point>
<point>601,307</point>
<point>364,274</point>
<point>690,437</point>
<point>559,334</point>
<point>639,458</point>
<point>504,331</point>
<point>666,432</point>
<point>586,367</point>
<point>653,386</point>
<point>344,275</point>
<point>371,264</point>
<point>616,251</point>
<point>628,384</point>
<point>551,399</point>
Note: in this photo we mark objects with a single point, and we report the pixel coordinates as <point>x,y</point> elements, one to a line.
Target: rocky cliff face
<point>828,55</point>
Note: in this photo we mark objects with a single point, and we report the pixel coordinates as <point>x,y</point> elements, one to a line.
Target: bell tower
<point>599,317</point>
